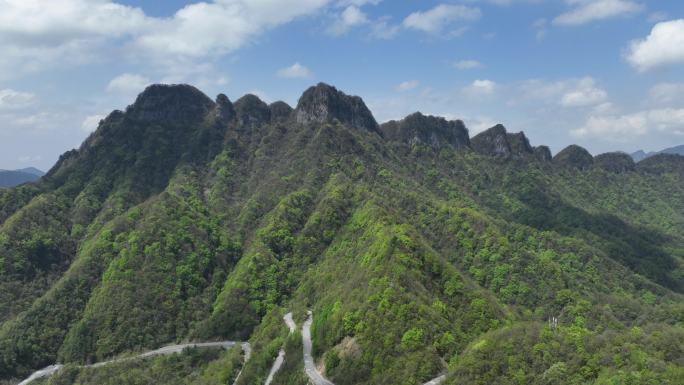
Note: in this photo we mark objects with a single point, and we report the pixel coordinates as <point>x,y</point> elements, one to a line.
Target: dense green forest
<point>421,251</point>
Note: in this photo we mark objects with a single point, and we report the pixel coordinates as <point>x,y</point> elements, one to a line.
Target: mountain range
<point>420,251</point>
<point>11,178</point>
<point>641,155</point>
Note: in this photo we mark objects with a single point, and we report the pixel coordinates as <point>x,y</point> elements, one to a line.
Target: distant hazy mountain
<point>11,178</point>
<point>641,155</point>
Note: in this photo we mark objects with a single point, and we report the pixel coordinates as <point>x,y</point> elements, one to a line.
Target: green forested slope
<point>418,252</point>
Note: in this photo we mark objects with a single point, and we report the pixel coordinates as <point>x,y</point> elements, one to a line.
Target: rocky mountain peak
<point>574,156</point>
<point>176,104</point>
<point>617,162</point>
<point>225,110</point>
<point>324,103</point>
<point>542,153</point>
<point>519,143</point>
<point>492,142</point>
<point>252,111</point>
<point>431,131</point>
<point>280,110</point>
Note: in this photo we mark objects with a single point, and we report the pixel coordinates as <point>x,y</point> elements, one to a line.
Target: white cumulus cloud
<point>571,93</point>
<point>625,127</point>
<point>663,46</point>
<point>584,94</point>
<point>128,83</point>
<point>467,64</point>
<point>438,18</point>
<point>407,85</point>
<point>351,17</point>
<point>91,122</point>
<point>35,35</point>
<point>11,99</point>
<point>295,71</point>
<point>480,88</point>
<point>667,92</point>
<point>586,11</point>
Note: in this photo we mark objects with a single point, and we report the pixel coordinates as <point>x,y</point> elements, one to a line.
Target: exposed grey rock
<point>174,104</point>
<point>492,142</point>
<point>542,153</point>
<point>252,111</point>
<point>225,111</point>
<point>280,111</point>
<point>617,162</point>
<point>431,131</point>
<point>324,103</point>
<point>574,156</point>
<point>519,143</point>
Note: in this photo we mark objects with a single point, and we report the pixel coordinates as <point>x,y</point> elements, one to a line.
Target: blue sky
<point>606,74</point>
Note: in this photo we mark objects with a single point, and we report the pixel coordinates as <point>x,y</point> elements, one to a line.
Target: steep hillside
<point>420,251</point>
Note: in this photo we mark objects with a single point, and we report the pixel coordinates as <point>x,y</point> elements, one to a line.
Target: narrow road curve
<point>309,365</point>
<point>166,350</point>
<point>436,381</point>
<point>281,354</point>
<point>50,370</point>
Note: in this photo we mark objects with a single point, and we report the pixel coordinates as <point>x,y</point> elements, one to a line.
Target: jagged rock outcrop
<point>662,164</point>
<point>496,141</point>
<point>173,104</point>
<point>519,143</point>
<point>492,142</point>
<point>542,153</point>
<point>574,156</point>
<point>252,111</point>
<point>431,131</point>
<point>324,103</point>
<point>617,162</point>
<point>280,110</point>
<point>225,111</point>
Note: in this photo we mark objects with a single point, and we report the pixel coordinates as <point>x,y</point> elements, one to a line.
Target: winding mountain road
<point>436,381</point>
<point>166,350</point>
<point>281,354</point>
<point>309,365</point>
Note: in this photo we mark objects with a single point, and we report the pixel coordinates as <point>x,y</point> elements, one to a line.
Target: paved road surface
<point>166,350</point>
<point>42,373</point>
<point>290,322</point>
<point>309,365</point>
<point>281,354</point>
<point>436,381</point>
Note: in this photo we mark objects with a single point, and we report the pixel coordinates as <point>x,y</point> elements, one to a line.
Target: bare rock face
<point>280,111</point>
<point>324,103</point>
<point>170,104</point>
<point>617,162</point>
<point>662,164</point>
<point>542,153</point>
<point>574,156</point>
<point>252,111</point>
<point>430,131</point>
<point>519,143</point>
<point>492,142</point>
<point>225,111</point>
